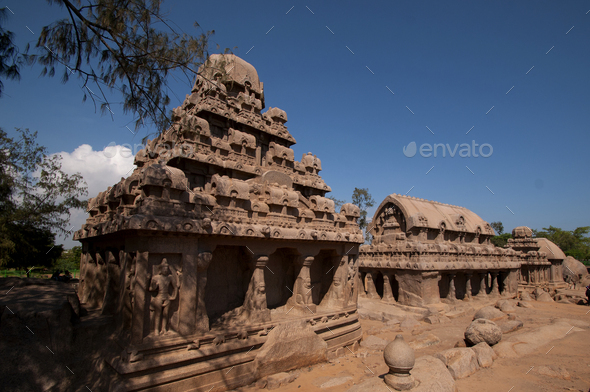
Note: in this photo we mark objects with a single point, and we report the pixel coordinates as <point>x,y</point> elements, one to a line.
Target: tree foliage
<point>30,247</point>
<point>501,240</point>
<point>10,60</point>
<point>498,226</point>
<point>69,260</point>
<point>363,200</point>
<point>35,199</point>
<point>122,45</point>
<point>574,243</point>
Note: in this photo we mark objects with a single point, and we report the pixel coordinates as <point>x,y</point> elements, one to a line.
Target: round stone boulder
<point>489,313</point>
<point>505,306</point>
<point>482,330</point>
<point>572,267</point>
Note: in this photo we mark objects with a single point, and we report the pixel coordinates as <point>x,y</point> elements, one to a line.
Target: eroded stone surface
<point>506,306</point>
<point>483,330</point>
<point>290,346</point>
<point>373,343</point>
<point>489,313</point>
<point>511,326</point>
<point>485,354</point>
<point>552,371</point>
<point>461,362</point>
<point>425,341</point>
<point>527,342</point>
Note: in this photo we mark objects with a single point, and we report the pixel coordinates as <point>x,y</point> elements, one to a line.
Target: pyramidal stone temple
<point>218,240</point>
<point>220,261</point>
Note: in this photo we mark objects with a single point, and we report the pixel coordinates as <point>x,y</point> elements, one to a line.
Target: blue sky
<point>361,80</point>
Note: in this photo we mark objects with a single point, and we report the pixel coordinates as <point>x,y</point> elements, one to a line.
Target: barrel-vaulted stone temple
<point>424,252</point>
<point>217,237</point>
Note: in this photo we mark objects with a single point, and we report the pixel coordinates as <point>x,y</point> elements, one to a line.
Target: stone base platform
<point>220,360</point>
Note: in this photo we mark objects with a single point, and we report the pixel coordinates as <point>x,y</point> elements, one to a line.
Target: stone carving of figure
<point>337,295</point>
<point>129,299</point>
<point>303,297</point>
<point>255,308</point>
<point>160,304</point>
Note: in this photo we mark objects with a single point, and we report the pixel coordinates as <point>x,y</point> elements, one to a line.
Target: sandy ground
<point>571,353</point>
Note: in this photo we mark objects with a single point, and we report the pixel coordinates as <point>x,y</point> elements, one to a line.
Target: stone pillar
<point>82,277</point>
<point>255,308</point>
<point>302,296</point>
<point>139,305</point>
<point>111,295</point>
<point>387,292</point>
<point>511,282</point>
<point>370,285</point>
<point>202,264</point>
<point>495,291</point>
<point>335,298</point>
<point>482,285</point>
<point>451,296</point>
<point>468,294</point>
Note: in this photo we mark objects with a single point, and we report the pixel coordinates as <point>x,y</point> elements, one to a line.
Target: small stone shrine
<point>218,236</point>
<point>542,260</point>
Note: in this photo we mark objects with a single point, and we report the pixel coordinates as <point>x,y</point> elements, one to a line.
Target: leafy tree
<point>574,243</point>
<point>363,200</point>
<point>31,247</point>
<point>69,260</point>
<point>501,240</point>
<point>9,56</point>
<point>498,226</point>
<point>35,198</point>
<point>122,45</point>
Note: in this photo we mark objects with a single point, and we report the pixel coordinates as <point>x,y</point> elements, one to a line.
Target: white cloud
<point>100,169</point>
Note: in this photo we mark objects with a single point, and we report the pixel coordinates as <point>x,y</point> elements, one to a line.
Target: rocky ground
<point>550,350</point>
<point>544,346</point>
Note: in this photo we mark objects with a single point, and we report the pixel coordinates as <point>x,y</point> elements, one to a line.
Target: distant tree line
<point>575,243</point>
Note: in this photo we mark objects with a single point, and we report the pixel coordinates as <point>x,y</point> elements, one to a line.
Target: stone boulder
<point>461,362</point>
<point>511,326</point>
<point>489,313</point>
<point>290,346</point>
<point>483,330</point>
<point>572,267</point>
<point>543,296</point>
<point>525,304</point>
<point>425,341</point>
<point>374,343</point>
<point>505,306</point>
<point>485,354</point>
<point>409,323</point>
<point>525,296</point>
